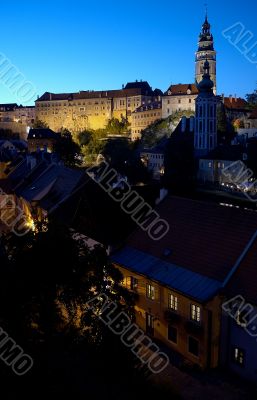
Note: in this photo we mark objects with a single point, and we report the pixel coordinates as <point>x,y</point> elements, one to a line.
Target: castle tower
<point>205,135</point>
<point>206,50</point>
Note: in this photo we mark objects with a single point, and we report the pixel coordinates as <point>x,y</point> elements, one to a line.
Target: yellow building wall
<point>89,113</point>
<point>159,306</point>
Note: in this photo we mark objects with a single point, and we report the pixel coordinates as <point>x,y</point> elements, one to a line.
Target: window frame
<point>172,302</point>
<point>150,291</point>
<point>195,313</point>
<point>236,360</point>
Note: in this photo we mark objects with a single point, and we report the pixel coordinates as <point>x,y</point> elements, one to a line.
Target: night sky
<point>66,46</point>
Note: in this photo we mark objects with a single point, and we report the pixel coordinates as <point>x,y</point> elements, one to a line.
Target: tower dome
<point>206,84</point>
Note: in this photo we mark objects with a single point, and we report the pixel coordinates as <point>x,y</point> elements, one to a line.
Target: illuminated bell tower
<point>205,135</point>
<point>206,51</point>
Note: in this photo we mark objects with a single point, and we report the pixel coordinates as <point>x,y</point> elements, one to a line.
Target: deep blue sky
<point>71,45</point>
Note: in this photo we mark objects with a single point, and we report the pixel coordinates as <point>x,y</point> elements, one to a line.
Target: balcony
<point>194,327</point>
<point>171,316</point>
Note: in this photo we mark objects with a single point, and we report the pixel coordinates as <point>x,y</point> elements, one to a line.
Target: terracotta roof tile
<point>244,281</point>
<point>181,89</point>
<point>235,103</point>
<point>204,237</point>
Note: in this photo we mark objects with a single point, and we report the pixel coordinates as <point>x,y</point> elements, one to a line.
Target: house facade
<point>182,280</point>
<point>185,324</point>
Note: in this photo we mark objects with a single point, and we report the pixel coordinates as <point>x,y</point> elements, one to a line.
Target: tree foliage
<point>116,127</point>
<point>67,149</point>
<point>163,127</point>
<point>46,279</point>
<point>93,142</point>
<point>50,277</point>
<point>252,98</point>
<point>40,124</point>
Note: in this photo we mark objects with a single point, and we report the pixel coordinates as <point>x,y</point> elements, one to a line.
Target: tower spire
<point>205,51</point>
<point>206,11</point>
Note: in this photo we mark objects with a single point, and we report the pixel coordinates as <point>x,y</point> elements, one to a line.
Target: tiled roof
<point>41,133</point>
<point>244,281</point>
<point>235,103</point>
<point>136,85</point>
<point>204,238</point>
<point>9,106</point>
<point>131,89</point>
<point>151,106</point>
<point>59,182</point>
<point>181,89</point>
<point>181,279</point>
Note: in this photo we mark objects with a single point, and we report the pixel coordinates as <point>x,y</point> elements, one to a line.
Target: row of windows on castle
<point>52,104</point>
<point>179,101</point>
<point>135,102</point>
<point>147,115</point>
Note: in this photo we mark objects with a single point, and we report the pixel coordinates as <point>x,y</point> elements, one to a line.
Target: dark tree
<point>40,124</point>
<point>68,150</point>
<point>252,98</point>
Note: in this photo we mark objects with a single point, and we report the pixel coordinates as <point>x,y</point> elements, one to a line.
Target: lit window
<point>173,302</point>
<point>195,313</point>
<point>133,283</point>
<point>238,356</point>
<point>150,291</point>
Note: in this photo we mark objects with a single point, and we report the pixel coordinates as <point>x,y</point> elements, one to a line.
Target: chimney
<point>123,86</point>
<point>230,98</point>
<point>235,98</point>
<point>50,94</point>
<point>183,123</point>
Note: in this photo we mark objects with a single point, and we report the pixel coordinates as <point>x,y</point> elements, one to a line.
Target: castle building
<point>93,109</point>
<point>178,98</point>
<point>205,135</point>
<point>206,51</point>
<point>144,116</point>
<point>17,118</point>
